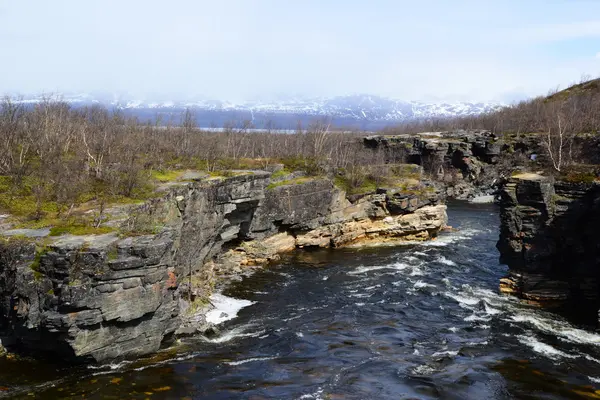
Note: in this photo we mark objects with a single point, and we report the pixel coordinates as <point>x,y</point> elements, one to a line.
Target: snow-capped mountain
<point>347,110</point>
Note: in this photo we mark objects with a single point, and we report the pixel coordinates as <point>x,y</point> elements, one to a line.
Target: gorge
<point>136,301</point>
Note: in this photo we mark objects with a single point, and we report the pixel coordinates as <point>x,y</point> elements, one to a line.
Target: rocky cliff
<point>106,297</point>
<point>548,239</point>
<point>468,163</point>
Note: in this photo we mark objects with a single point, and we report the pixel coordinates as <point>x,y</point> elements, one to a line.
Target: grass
<point>80,230</point>
<point>166,175</point>
<point>295,181</point>
<point>280,174</point>
<point>25,205</point>
<point>346,184</point>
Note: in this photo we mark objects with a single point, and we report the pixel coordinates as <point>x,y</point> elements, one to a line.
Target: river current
<point>416,321</point>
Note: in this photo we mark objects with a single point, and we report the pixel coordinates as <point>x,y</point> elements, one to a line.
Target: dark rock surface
<point>106,297</point>
<point>548,238</point>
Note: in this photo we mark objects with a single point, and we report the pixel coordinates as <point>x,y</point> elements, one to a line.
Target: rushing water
<point>420,321</point>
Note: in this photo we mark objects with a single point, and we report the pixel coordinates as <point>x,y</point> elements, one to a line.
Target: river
<point>419,321</point>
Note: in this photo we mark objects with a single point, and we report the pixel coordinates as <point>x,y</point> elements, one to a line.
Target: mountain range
<point>360,111</point>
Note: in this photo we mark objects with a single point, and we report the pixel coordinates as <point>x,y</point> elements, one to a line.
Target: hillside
<point>589,88</point>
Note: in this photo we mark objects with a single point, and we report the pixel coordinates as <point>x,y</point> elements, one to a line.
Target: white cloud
<point>238,49</point>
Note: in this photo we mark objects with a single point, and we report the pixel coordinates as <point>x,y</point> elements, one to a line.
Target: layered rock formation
<point>548,239</point>
<point>108,297</point>
<point>467,162</point>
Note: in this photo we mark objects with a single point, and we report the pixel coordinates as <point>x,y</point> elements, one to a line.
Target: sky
<point>421,50</point>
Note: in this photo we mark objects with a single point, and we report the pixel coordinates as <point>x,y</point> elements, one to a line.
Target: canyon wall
<point>548,238</point>
<point>114,296</point>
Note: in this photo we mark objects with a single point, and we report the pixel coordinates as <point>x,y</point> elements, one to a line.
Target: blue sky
<point>243,49</point>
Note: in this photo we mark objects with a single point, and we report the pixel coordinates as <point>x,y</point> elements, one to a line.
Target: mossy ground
<point>295,181</point>
<point>281,173</point>
<point>167,175</point>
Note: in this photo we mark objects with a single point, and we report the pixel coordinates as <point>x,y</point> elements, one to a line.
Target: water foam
<point>249,360</point>
<point>226,308</point>
<point>239,332</point>
<point>543,348</point>
<point>420,284</point>
<point>445,240</point>
<point>424,370</point>
<point>362,270</point>
<point>558,328</point>
<point>445,261</point>
<point>463,301</point>
<point>446,353</point>
<point>318,395</point>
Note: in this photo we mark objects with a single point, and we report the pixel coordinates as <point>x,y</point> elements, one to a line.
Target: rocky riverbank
<point>548,239</point>
<point>111,296</point>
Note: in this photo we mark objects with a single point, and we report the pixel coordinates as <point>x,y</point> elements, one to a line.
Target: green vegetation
<point>198,304</point>
<point>295,181</point>
<point>37,262</point>
<point>580,173</point>
<point>75,282</point>
<point>280,174</point>
<point>112,254</point>
<point>346,184</point>
<point>80,230</point>
<point>167,175</point>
